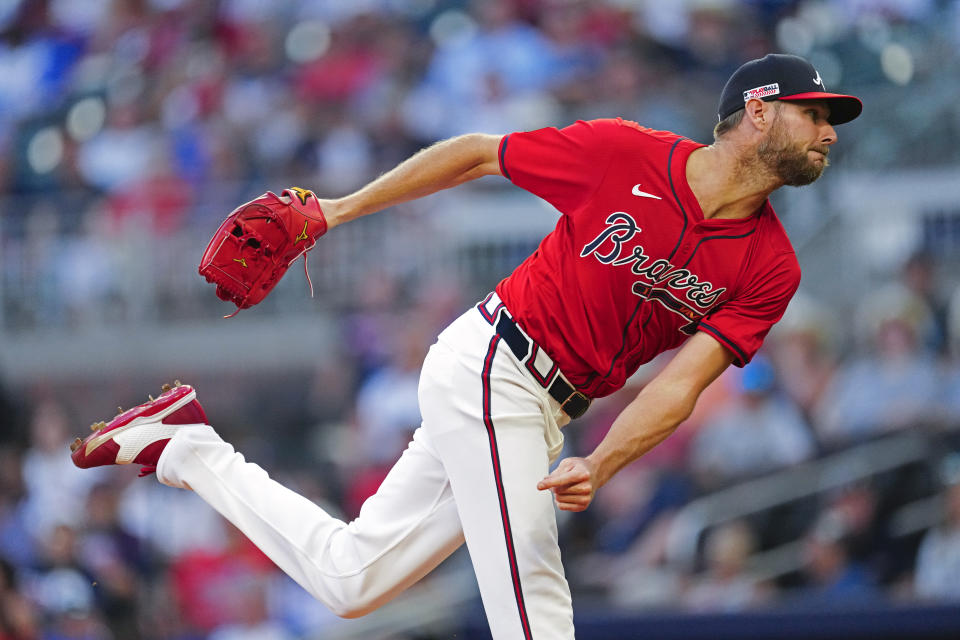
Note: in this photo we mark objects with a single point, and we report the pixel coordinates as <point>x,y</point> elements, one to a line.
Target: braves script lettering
<point>609,248</point>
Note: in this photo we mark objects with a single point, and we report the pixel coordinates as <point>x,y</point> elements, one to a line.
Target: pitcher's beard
<point>789,162</point>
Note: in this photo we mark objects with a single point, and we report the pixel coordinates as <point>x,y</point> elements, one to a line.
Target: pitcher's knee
<point>350,612</point>
<point>350,600</point>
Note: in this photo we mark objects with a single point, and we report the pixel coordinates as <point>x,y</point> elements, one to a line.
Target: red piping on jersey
<point>501,494</point>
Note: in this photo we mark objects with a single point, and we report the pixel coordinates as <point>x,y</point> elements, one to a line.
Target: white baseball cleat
<point>139,435</point>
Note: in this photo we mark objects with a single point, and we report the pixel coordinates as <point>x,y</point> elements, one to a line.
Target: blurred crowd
<point>130,125</point>
<point>134,108</point>
<point>149,114</point>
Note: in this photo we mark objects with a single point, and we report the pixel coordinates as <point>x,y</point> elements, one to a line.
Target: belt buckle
<point>581,404</point>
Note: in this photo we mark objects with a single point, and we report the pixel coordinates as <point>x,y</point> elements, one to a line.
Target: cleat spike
<point>165,388</point>
<point>119,410</point>
<point>177,383</point>
<point>75,445</point>
<point>150,396</point>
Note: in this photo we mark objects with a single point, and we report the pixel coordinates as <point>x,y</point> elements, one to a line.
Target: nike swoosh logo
<point>643,194</point>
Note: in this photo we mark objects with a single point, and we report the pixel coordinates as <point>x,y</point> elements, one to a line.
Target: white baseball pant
<point>489,434</point>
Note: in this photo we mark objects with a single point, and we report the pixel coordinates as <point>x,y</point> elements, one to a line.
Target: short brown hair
<point>728,124</point>
<point>733,120</point>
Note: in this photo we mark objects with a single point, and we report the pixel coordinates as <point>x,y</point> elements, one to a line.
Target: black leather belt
<point>573,402</point>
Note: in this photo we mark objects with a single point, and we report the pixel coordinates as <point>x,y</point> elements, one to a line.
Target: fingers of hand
<point>573,502</point>
<point>578,489</point>
<point>562,477</point>
<point>570,506</point>
<point>575,497</point>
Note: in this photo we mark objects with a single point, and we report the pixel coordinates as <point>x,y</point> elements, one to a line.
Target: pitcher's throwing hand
<point>572,484</point>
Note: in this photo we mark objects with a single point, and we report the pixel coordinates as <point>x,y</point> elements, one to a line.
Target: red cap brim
<point>843,108</point>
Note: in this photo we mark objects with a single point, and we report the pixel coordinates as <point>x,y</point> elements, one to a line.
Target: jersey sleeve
<point>562,166</point>
<point>743,322</point>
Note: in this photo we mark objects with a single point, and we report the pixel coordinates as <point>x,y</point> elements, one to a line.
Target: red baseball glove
<point>259,241</point>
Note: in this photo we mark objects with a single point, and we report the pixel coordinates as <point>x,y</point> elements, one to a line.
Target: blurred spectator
<point>368,330</point>
<point>834,579</point>
<point>760,431</point>
<point>387,409</point>
<point>953,336</point>
<point>115,559</point>
<point>919,277</point>
<point>16,542</point>
<point>170,521</point>
<point>296,610</point>
<point>155,204</point>
<point>387,413</point>
<point>893,385</point>
<point>253,620</point>
<point>332,388</point>
<point>18,617</point>
<point>215,589</point>
<point>88,286</point>
<point>35,62</point>
<point>124,152</point>
<point>949,395</point>
<point>727,585</point>
<point>578,34</point>
<point>802,348</point>
<point>34,261</point>
<point>65,590</point>
<point>640,578</point>
<point>56,489</point>
<point>630,504</point>
<point>938,559</point>
<point>906,300</point>
<point>901,9</point>
<point>489,73</point>
<point>857,507</point>
<point>345,158</point>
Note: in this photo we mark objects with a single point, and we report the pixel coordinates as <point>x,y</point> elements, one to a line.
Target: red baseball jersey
<point>632,268</point>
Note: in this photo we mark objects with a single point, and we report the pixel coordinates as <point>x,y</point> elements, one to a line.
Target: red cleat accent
<point>139,435</point>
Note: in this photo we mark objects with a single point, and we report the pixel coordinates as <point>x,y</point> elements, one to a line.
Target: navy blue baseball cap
<point>779,76</point>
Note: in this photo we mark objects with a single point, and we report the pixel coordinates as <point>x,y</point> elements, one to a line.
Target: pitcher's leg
<point>511,533</point>
<point>489,433</point>
<point>403,531</point>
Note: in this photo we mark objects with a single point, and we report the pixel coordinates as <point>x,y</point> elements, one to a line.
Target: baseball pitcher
<point>662,242</point>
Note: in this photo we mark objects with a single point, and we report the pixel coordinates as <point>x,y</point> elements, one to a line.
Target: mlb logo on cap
<point>761,92</point>
<point>778,76</point>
